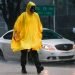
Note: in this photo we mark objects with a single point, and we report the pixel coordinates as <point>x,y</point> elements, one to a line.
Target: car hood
<point>57,41</point>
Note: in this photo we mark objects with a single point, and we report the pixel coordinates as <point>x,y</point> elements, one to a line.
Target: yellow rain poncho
<point>27,32</point>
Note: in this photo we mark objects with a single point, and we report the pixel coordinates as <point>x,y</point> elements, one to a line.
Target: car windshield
<point>49,34</point>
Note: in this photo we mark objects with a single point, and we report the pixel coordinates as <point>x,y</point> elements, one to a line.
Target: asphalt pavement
<point>13,68</point>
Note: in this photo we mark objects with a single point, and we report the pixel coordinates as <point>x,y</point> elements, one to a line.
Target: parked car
<point>55,47</point>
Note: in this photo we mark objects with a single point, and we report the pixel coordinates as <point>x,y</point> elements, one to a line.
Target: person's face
<point>32,9</point>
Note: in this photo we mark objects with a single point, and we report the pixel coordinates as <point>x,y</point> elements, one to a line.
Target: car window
<point>48,34</point>
<point>8,36</point>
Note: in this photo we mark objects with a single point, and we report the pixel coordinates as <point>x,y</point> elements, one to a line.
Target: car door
<point>8,53</point>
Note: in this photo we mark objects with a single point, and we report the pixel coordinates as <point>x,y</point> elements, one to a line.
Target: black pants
<point>34,56</point>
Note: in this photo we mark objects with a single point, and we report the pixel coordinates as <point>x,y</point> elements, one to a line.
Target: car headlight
<point>74,46</point>
<point>48,47</point>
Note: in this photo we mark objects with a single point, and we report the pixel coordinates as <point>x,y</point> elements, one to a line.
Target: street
<point>13,68</point>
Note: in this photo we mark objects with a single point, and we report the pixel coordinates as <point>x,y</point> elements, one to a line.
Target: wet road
<point>13,68</point>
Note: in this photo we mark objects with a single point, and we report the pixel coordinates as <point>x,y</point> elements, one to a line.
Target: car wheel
<point>1,55</point>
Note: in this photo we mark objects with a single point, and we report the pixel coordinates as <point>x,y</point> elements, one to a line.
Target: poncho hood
<point>29,5</point>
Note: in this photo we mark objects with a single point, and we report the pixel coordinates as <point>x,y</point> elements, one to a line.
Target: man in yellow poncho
<point>27,35</point>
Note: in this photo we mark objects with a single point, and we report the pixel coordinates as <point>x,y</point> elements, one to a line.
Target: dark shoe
<point>24,71</point>
<point>40,69</point>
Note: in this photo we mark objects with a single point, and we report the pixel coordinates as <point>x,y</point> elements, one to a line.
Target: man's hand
<point>16,36</point>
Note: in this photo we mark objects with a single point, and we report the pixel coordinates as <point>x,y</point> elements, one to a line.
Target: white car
<point>55,47</point>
